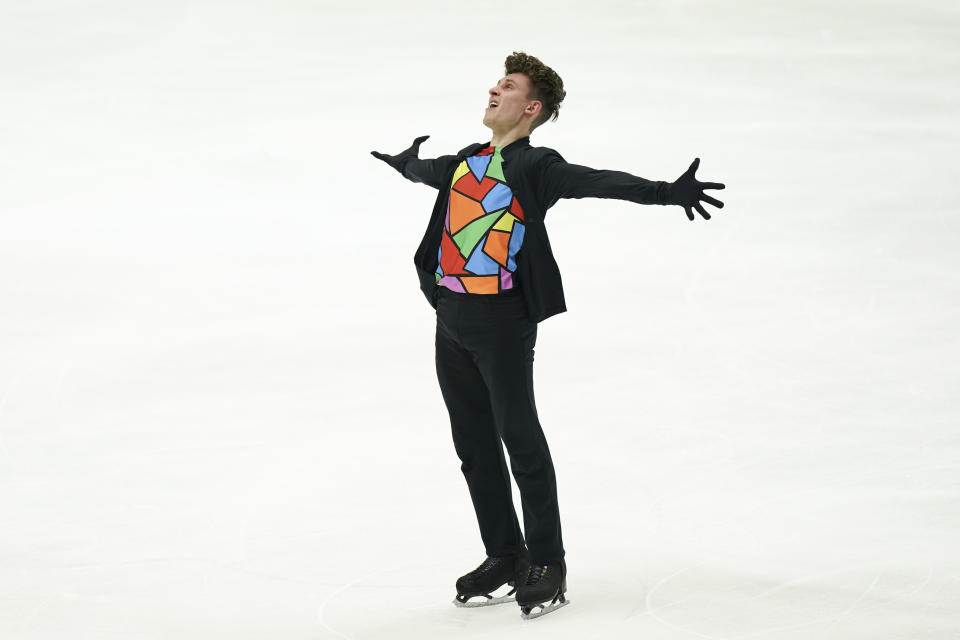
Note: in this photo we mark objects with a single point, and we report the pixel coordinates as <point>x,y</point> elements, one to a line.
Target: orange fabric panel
<point>481,284</point>
<point>497,246</point>
<point>463,211</point>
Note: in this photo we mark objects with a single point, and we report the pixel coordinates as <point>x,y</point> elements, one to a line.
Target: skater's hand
<point>400,159</point>
<point>687,192</point>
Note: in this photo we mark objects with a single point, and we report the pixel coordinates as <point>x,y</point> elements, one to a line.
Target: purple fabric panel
<point>506,279</point>
<point>451,283</point>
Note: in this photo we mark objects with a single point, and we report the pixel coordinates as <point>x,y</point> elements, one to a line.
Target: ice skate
<point>483,581</point>
<point>544,586</point>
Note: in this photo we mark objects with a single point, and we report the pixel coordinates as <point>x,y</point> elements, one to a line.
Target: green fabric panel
<point>495,168</point>
<point>468,237</point>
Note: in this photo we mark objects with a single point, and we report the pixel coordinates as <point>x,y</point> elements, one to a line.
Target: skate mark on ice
<point>807,578</point>
<point>653,610</point>
<point>853,604</point>
<point>817,621</point>
<point>923,584</point>
<point>321,611</point>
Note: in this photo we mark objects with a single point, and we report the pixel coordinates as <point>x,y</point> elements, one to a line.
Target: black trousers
<point>484,356</point>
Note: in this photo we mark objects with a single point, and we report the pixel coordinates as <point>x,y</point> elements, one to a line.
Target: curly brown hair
<point>545,85</point>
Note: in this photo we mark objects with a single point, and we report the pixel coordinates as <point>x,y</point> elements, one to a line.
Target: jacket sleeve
<point>429,171</point>
<point>561,179</point>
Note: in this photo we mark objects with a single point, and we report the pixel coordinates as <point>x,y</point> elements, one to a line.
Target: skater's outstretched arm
<point>561,179</point>
<point>427,171</point>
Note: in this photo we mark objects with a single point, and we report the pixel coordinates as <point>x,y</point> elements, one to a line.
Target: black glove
<point>687,192</point>
<point>399,160</point>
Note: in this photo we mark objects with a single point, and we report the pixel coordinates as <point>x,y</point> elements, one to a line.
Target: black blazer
<point>538,177</point>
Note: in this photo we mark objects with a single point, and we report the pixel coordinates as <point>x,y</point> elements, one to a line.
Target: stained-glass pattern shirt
<point>483,229</point>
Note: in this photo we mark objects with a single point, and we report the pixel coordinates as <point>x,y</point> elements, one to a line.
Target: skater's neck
<point>503,138</point>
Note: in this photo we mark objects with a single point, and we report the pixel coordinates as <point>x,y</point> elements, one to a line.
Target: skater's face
<point>508,105</point>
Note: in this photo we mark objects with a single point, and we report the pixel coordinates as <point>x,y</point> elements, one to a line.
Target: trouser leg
<point>477,444</point>
<point>505,360</point>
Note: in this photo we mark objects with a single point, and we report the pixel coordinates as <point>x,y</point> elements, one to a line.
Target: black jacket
<point>538,177</point>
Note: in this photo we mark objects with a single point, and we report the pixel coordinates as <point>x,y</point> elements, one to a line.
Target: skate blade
<point>544,610</point>
<point>484,603</point>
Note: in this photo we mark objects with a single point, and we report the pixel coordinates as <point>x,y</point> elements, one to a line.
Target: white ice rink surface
<point>219,416</point>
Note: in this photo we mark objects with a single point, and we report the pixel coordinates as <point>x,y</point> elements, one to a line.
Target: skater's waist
<point>506,293</point>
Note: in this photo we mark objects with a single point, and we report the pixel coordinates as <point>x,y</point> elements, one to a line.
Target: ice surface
<point>219,415</point>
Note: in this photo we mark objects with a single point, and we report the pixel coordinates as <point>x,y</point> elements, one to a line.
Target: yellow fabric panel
<point>506,222</point>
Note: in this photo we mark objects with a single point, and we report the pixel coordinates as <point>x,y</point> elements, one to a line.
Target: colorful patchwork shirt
<point>483,228</point>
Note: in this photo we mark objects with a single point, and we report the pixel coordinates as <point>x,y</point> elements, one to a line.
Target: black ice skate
<point>487,578</point>
<point>543,584</point>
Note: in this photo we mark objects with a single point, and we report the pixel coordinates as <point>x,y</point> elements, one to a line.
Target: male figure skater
<point>486,267</point>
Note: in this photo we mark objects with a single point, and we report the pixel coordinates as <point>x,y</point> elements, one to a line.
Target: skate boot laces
<point>487,564</point>
<point>536,573</point>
